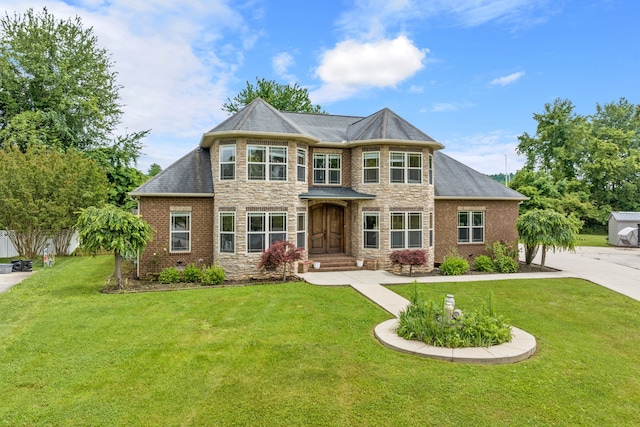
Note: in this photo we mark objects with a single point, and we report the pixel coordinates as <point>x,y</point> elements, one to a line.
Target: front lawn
<point>600,240</point>
<point>296,354</point>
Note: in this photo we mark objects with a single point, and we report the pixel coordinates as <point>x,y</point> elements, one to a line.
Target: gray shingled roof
<point>189,176</point>
<point>341,193</point>
<point>258,116</point>
<point>454,180</point>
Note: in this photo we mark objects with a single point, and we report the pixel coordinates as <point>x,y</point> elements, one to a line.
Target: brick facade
<point>500,218</point>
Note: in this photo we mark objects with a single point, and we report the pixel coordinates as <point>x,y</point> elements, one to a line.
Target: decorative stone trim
<point>406,209</point>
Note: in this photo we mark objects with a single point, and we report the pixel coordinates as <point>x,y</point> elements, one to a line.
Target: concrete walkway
<point>13,278</point>
<point>613,268</point>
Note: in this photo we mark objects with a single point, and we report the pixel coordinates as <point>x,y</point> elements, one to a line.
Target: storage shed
<point>623,228</point>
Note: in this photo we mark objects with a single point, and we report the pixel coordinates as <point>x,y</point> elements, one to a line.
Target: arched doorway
<point>326,229</point>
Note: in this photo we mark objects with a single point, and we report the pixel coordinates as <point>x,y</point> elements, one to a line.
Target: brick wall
<point>157,212</point>
<point>500,218</point>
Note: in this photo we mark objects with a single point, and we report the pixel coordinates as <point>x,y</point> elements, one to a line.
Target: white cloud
<point>352,65</point>
<point>507,80</point>
<point>446,107</point>
<point>281,64</point>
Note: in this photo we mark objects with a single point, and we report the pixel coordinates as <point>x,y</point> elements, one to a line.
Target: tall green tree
<point>547,229</point>
<point>58,89</point>
<point>42,191</point>
<point>280,96</point>
<point>115,230</point>
<point>56,81</point>
<point>612,166</point>
<point>559,143</point>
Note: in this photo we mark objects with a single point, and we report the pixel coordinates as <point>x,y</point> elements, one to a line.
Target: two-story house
<point>357,187</point>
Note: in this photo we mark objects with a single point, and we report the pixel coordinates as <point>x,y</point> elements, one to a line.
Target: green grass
<point>296,354</point>
<point>600,240</point>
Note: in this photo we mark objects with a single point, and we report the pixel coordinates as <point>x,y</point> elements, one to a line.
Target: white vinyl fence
<point>7,250</point>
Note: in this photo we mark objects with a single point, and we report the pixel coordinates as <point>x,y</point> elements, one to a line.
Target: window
<point>371,230</point>
<point>266,163</point>
<point>431,169</point>
<point>227,162</point>
<point>301,230</point>
<point>227,232</point>
<point>327,168</point>
<point>302,165</point>
<point>371,167</point>
<point>471,227</point>
<point>180,234</point>
<point>264,229</point>
<point>431,229</point>
<point>405,168</point>
<point>406,230</point>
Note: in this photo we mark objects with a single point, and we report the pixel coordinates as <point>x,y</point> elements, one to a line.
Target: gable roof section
<point>385,125</point>
<point>188,177</point>
<point>454,180</point>
<point>259,119</point>
<point>625,216</point>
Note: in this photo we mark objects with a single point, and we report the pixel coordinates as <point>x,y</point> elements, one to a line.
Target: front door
<point>327,229</point>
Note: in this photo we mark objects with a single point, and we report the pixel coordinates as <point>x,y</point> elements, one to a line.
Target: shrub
<point>408,257</point>
<point>454,265</point>
<point>170,275</point>
<point>505,257</point>
<point>281,253</point>
<point>426,322</point>
<point>213,275</point>
<point>192,274</point>
<point>484,263</point>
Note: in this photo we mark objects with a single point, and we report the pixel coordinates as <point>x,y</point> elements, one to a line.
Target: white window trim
<point>327,169</point>
<point>406,167</point>
<point>267,231</point>
<point>365,168</point>
<point>228,163</point>
<point>267,162</point>
<point>172,231</point>
<point>430,166</point>
<point>431,233</point>
<point>406,230</point>
<point>303,165</point>
<point>221,232</point>
<point>366,230</point>
<point>304,228</point>
<point>471,227</point>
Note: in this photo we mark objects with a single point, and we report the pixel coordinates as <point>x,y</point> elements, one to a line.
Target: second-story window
<point>405,168</point>
<point>266,163</point>
<point>302,165</point>
<point>327,169</point>
<point>371,167</point>
<point>227,162</point>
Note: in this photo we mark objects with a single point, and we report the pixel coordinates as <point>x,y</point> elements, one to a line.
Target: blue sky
<point>470,73</point>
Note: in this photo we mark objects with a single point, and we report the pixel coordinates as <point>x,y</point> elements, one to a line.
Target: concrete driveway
<point>8,280</point>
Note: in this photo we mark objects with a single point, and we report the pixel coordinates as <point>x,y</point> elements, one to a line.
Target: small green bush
<point>505,264</point>
<point>213,275</point>
<point>484,263</point>
<point>170,275</point>
<point>454,265</point>
<point>192,274</point>
<point>425,321</point>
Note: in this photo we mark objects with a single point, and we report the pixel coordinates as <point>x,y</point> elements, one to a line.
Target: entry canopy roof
<point>335,193</point>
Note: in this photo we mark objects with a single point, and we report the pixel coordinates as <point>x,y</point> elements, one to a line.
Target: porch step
<point>335,263</point>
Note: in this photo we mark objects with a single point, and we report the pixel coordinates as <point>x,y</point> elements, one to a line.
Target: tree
<point>42,191</point>
<point>113,229</point>
<point>281,253</point>
<point>154,170</point>
<point>546,228</point>
<point>56,84</point>
<point>281,97</point>
<point>558,145</point>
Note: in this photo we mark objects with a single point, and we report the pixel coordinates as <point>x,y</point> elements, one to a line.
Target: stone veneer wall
<point>242,196</point>
<point>157,212</point>
<point>500,218</point>
<point>390,198</point>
